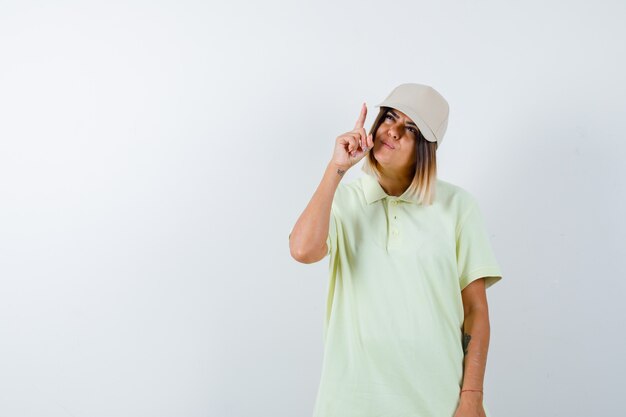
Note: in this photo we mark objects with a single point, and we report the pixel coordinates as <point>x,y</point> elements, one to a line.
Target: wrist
<point>337,169</point>
<point>471,395</point>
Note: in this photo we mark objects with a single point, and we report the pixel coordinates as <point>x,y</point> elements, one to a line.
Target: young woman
<point>406,331</point>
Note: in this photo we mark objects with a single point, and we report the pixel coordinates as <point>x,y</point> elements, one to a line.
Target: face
<point>394,141</point>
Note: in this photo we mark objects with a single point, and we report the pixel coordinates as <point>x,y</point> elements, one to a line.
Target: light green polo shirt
<point>394,313</point>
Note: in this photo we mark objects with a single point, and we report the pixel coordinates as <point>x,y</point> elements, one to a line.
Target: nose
<point>393,132</point>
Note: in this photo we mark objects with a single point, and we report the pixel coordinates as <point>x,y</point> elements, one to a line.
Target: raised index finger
<point>361,120</point>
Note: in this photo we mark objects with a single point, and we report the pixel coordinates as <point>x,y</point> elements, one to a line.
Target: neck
<point>394,182</point>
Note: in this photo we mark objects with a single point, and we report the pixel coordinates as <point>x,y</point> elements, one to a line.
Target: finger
<point>361,120</point>
<point>352,144</point>
<point>345,138</point>
<point>363,136</point>
<point>352,138</point>
<point>370,140</point>
<point>359,140</point>
<point>346,142</point>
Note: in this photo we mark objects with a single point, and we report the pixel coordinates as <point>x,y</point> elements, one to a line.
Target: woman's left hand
<point>470,407</point>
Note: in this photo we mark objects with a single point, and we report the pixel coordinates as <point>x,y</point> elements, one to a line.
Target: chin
<point>377,156</point>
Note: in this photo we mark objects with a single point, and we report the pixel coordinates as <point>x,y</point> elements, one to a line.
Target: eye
<point>412,129</point>
<point>389,116</point>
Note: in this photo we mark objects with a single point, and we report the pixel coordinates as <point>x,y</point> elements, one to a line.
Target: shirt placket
<point>394,235</point>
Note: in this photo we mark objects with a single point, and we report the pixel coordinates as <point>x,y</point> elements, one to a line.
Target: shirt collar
<point>374,192</point>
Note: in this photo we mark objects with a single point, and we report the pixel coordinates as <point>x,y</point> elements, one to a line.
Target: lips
<point>387,145</point>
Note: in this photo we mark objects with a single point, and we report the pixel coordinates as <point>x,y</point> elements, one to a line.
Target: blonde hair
<point>423,185</point>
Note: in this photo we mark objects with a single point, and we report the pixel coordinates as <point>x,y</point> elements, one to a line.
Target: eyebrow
<point>396,116</point>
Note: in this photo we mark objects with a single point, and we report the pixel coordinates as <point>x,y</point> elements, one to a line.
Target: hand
<point>471,405</point>
<point>352,146</point>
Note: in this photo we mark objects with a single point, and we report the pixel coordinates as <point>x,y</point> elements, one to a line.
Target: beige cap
<point>424,105</point>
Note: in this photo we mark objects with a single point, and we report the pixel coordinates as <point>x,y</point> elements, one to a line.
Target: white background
<point>154,157</point>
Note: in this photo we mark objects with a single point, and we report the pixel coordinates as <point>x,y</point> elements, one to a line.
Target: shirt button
<point>394,202</point>
<point>395,233</point>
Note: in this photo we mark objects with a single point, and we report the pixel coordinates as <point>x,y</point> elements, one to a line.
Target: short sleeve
<point>331,240</point>
<point>475,257</point>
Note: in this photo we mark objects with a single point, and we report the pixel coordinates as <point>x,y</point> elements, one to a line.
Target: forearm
<point>308,237</point>
<point>476,331</point>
